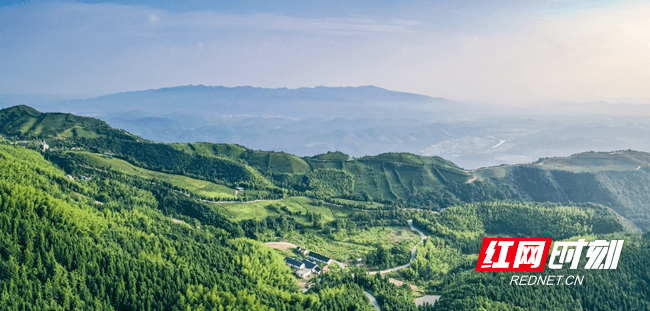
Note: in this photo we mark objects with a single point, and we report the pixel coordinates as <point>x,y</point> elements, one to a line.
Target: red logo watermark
<point>509,254</point>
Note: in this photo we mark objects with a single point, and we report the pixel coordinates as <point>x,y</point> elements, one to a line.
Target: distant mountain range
<point>361,121</point>
<point>217,101</point>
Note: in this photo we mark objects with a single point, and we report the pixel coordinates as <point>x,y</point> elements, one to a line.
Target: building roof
<point>319,257</point>
<point>309,264</point>
<point>293,262</point>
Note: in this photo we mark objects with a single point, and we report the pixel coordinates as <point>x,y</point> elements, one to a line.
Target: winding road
<point>373,300</point>
<point>413,252</point>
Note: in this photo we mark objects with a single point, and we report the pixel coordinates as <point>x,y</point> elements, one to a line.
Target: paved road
<point>373,300</point>
<point>422,235</point>
<point>413,252</point>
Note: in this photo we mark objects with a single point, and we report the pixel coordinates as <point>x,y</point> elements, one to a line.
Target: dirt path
<point>281,245</point>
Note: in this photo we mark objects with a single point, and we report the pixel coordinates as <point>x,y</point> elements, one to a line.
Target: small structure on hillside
<point>318,257</point>
<point>311,266</point>
<point>304,268</point>
<point>44,146</point>
<point>294,263</point>
<point>303,273</point>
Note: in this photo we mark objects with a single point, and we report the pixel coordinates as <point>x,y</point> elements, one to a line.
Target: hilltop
<point>387,176</point>
<point>359,121</point>
<point>24,122</point>
<point>617,180</point>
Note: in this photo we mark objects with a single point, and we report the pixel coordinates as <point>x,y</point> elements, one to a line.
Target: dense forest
<point>62,249</point>
<point>626,288</point>
<point>78,235</point>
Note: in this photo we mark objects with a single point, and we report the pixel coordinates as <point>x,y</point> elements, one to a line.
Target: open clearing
<point>300,205</point>
<point>200,187</point>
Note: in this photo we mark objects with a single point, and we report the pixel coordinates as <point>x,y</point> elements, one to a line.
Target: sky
<point>509,52</point>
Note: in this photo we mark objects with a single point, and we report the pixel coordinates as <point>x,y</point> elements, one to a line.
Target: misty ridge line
<point>362,121</point>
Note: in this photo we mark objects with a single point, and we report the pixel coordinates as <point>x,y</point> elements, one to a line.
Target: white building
<point>303,273</point>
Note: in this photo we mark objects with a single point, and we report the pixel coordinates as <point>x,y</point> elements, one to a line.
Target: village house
<point>293,263</point>
<point>318,257</point>
<point>304,268</point>
<point>303,273</point>
<point>311,266</point>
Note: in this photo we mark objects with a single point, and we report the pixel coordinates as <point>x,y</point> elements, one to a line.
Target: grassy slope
<point>201,187</point>
<point>586,162</point>
<point>347,244</point>
<point>260,210</point>
<point>386,176</point>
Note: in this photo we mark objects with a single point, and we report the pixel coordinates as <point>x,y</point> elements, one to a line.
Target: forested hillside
<point>619,180</point>
<point>22,122</point>
<point>626,288</point>
<point>62,249</point>
<point>105,220</point>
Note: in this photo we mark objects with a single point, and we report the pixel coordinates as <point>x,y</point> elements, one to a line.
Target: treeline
<point>165,158</point>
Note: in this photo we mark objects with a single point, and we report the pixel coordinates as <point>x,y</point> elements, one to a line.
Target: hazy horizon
<point>533,52</point>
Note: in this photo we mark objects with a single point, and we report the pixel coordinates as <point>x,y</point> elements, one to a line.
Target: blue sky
<point>511,52</point>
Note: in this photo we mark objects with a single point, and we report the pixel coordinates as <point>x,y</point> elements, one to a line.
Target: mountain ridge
<point>618,180</point>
